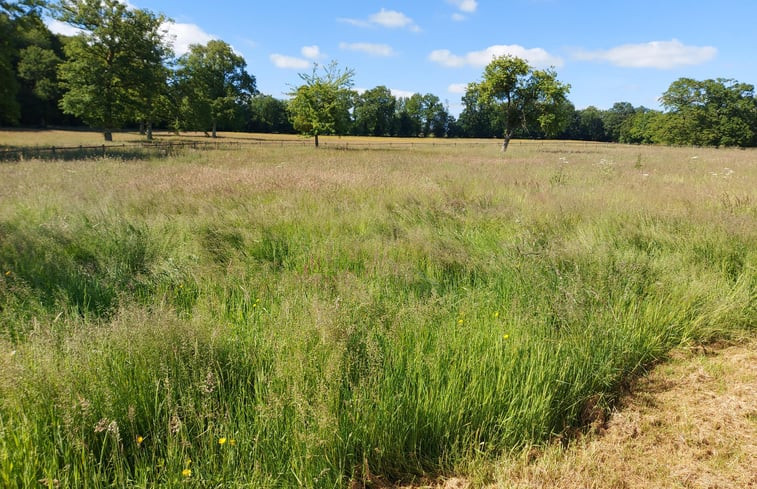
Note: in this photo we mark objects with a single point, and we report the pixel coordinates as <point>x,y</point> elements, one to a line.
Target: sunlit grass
<point>338,315</point>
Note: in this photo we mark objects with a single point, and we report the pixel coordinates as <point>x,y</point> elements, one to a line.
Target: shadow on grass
<point>123,152</point>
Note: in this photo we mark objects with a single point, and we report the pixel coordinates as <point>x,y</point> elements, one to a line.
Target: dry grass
<point>62,138</point>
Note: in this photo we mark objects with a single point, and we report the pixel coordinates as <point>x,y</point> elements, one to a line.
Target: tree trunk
<point>316,140</point>
<point>141,128</point>
<point>149,131</point>
<point>108,135</point>
<point>214,129</point>
<point>506,142</point>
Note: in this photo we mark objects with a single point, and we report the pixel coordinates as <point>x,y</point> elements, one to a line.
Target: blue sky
<point>608,51</point>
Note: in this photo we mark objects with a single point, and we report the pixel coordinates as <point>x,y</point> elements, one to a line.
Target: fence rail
<point>138,150</point>
<point>132,150</point>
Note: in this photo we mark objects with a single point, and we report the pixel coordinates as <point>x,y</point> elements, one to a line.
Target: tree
<point>477,119</point>
<point>321,104</point>
<point>152,96</point>
<point>524,96</point>
<point>214,84</point>
<point>374,112</point>
<point>414,109</point>
<point>434,116</point>
<point>721,112</point>
<point>591,125</point>
<point>614,118</point>
<point>15,20</point>
<point>268,114</point>
<point>110,71</point>
<point>404,125</point>
<point>644,127</point>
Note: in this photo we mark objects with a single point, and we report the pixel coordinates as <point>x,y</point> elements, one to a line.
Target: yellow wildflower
<point>140,440</point>
<point>8,273</point>
<point>221,441</point>
<point>496,314</point>
<point>232,442</point>
<point>460,321</point>
<point>506,336</point>
<point>186,472</point>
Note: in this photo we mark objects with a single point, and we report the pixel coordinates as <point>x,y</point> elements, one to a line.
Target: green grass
<point>344,315</point>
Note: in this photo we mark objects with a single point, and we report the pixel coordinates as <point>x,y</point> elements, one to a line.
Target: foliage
<point>374,112</point>
<point>268,114</point>
<point>479,119</point>
<point>614,118</point>
<point>524,96</point>
<point>322,103</point>
<point>720,112</point>
<point>20,27</point>
<point>113,69</point>
<point>214,85</point>
<point>9,108</point>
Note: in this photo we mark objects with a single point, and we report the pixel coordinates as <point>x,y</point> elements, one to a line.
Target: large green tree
<point>19,22</point>
<point>152,97</point>
<point>478,119</point>
<point>524,96</point>
<point>9,108</point>
<point>721,112</point>
<point>614,118</point>
<point>321,104</point>
<point>267,114</point>
<point>214,84</point>
<point>374,112</point>
<point>114,66</point>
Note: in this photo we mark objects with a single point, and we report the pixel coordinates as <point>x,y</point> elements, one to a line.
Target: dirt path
<point>691,423</point>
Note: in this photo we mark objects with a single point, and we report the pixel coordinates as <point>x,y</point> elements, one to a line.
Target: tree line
<point>121,71</point>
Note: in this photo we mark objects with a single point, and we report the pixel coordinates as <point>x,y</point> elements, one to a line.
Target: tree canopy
<point>523,96</point>
<point>213,84</point>
<point>321,104</point>
<point>113,67</point>
<point>720,112</point>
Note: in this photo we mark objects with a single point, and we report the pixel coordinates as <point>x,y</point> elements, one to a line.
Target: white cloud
<point>458,17</point>
<point>391,19</point>
<point>355,22</point>
<point>311,52</point>
<point>183,35</point>
<point>289,62</point>
<point>368,48</point>
<point>468,6</point>
<point>58,27</point>
<point>457,88</point>
<point>655,54</point>
<point>401,93</point>
<point>535,56</point>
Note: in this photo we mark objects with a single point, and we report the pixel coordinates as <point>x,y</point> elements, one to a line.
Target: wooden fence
<point>145,149</point>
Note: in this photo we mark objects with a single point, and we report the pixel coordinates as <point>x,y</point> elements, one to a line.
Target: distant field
<point>31,137</point>
<point>280,316</point>
<point>62,138</point>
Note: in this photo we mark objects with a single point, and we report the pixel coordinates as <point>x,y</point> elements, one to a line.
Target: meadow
<point>280,316</point>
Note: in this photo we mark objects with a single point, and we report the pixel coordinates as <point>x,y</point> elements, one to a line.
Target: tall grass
<point>283,317</point>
